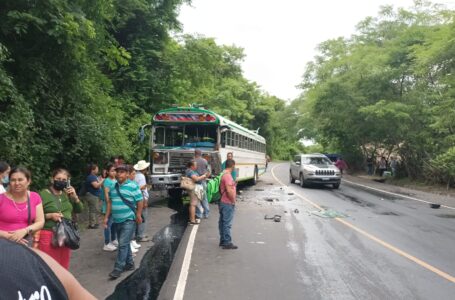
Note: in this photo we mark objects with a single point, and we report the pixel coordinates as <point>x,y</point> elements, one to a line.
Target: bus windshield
<point>190,136</point>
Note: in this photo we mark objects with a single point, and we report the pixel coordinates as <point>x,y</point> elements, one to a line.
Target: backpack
<point>213,189</point>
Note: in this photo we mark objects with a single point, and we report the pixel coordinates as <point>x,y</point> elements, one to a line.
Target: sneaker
<point>135,245</point>
<point>115,274</point>
<point>93,226</point>
<point>133,250</point>
<point>229,247</point>
<point>115,243</point>
<point>129,267</point>
<point>109,247</point>
<point>143,239</point>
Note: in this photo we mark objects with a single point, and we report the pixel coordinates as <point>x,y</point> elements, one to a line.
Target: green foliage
<point>78,78</point>
<point>387,89</point>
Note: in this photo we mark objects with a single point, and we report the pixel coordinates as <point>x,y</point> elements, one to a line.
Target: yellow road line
<point>378,240</point>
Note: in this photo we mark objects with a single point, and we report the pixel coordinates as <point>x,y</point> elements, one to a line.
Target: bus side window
<point>223,139</point>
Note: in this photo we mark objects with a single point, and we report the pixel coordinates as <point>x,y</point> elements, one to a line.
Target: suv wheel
<point>291,179</point>
<point>302,181</point>
<point>336,185</point>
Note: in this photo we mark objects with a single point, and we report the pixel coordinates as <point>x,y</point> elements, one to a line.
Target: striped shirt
<point>131,192</point>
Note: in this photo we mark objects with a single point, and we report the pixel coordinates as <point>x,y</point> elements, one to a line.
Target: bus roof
<point>218,119</point>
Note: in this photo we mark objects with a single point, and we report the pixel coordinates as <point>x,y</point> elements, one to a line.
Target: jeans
<point>109,232</point>
<point>204,203</point>
<point>370,170</point>
<point>141,227</point>
<point>225,222</point>
<point>125,231</point>
<point>92,202</point>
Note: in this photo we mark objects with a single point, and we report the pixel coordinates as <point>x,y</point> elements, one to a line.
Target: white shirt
<point>140,180</point>
<point>2,189</point>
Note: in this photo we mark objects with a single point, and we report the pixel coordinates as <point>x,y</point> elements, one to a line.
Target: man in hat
<point>141,168</point>
<point>125,203</point>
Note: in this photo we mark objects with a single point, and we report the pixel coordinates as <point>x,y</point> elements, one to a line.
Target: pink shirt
<point>227,180</point>
<point>14,217</point>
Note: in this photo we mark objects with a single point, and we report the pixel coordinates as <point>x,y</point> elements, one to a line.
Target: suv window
<point>297,159</point>
<point>316,161</point>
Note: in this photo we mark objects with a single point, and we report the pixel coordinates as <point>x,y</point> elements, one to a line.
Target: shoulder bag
<point>187,183</point>
<point>66,232</point>
<point>127,203</point>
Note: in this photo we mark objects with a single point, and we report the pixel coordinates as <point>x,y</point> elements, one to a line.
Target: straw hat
<point>141,165</point>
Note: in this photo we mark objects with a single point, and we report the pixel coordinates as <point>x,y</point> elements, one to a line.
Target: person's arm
<point>97,184</point>
<point>140,205</point>
<point>108,206</point>
<point>230,191</point>
<point>198,178</point>
<point>18,235</point>
<point>73,288</point>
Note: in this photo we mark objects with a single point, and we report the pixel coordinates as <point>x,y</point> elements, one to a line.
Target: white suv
<point>314,168</point>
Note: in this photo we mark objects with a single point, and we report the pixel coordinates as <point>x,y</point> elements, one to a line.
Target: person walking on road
<point>125,204</point>
<point>341,164</point>
<point>141,168</point>
<point>227,206</point>
<point>202,168</point>
<point>370,164</point>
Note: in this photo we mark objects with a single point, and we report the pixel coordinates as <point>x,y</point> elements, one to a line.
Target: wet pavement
<point>350,243</point>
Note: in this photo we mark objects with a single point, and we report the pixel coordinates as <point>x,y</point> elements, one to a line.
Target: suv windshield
<point>316,161</point>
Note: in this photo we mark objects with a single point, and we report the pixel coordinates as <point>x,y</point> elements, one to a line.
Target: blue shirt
<point>190,173</point>
<point>110,184</point>
<point>89,187</point>
<point>120,211</point>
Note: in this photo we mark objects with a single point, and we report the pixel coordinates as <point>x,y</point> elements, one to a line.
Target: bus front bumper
<point>165,181</point>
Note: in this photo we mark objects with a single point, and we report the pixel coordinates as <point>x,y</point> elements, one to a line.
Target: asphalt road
<point>381,247</point>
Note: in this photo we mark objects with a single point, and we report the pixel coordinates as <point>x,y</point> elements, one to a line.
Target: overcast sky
<point>279,37</point>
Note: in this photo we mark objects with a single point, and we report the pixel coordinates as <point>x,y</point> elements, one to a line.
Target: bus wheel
<point>256,176</point>
<point>175,199</point>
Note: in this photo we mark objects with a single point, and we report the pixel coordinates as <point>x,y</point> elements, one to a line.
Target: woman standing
<point>93,186</point>
<point>110,236</point>
<point>21,210</point>
<point>193,174</point>
<point>59,201</point>
<point>4,176</point>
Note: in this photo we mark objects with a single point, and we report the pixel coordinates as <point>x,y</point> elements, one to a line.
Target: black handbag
<point>66,232</point>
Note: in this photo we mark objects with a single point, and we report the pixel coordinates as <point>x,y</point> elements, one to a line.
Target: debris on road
<point>328,213</point>
<point>276,218</point>
<point>435,205</point>
<point>259,190</point>
<point>290,194</point>
<point>296,211</point>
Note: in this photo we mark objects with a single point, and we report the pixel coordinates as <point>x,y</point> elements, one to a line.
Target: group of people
<point>197,171</point>
<point>382,165</point>
<point>27,218</point>
<point>30,218</point>
<point>124,195</point>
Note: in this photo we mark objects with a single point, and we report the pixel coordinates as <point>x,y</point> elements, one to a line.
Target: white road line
<point>395,194</point>
<point>181,284</point>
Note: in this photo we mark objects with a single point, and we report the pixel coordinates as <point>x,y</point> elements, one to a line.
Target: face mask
<point>5,181</point>
<point>59,185</point>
